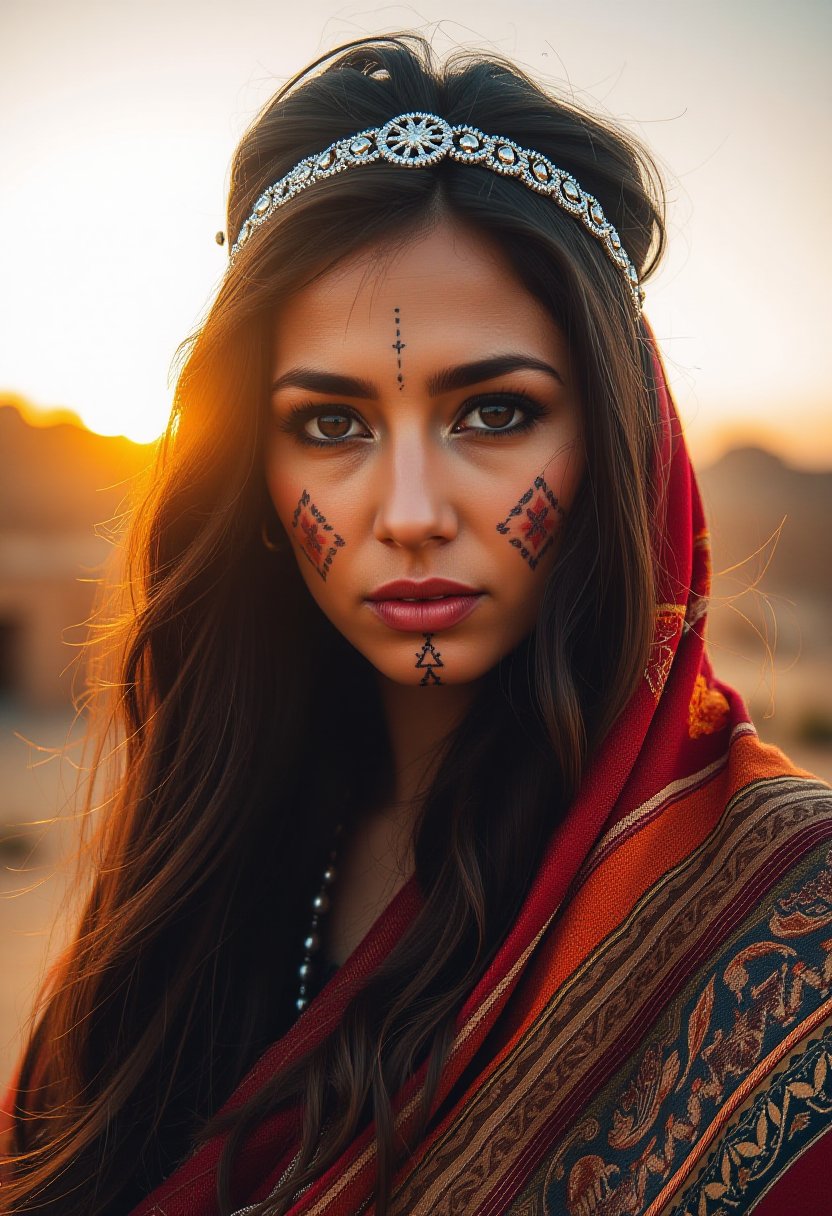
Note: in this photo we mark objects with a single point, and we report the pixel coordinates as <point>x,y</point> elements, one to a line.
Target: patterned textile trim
<point>328,1199</point>
<point>758,1147</point>
<point>667,629</point>
<point>708,710</point>
<point>656,1119</point>
<point>652,974</point>
<point>655,806</point>
<point>756,1081</point>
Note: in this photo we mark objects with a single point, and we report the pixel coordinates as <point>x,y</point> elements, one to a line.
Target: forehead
<point>449,286</point>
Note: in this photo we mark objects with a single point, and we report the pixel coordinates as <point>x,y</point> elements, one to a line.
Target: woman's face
<point>424,452</point>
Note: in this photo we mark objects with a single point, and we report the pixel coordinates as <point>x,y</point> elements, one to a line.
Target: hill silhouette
<point>748,493</point>
<point>62,478</point>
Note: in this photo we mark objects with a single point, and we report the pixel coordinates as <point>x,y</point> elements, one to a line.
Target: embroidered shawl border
<point>673,793</point>
<point>794,1109</point>
<point>655,806</point>
<point>576,1043</point>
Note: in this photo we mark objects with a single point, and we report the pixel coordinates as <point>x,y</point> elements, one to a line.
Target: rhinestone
<point>326,158</point>
<point>469,142</point>
<point>541,170</point>
<point>329,875</point>
<point>302,173</point>
<point>312,943</point>
<point>243,234</point>
<point>304,971</point>
<point>632,273</point>
<point>614,239</point>
<point>361,145</point>
<point>301,1003</point>
<point>302,990</point>
<point>570,190</point>
<point>321,902</point>
<point>596,214</point>
<point>506,155</point>
<point>263,203</point>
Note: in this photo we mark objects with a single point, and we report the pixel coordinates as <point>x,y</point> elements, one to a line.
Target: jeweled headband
<point>415,140</point>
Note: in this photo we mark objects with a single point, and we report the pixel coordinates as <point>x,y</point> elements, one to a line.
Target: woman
<point>442,873</point>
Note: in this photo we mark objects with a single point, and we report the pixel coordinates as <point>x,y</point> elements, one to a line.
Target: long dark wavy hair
<point>217,681</point>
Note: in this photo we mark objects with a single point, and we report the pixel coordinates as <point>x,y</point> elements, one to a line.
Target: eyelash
<point>299,415</point>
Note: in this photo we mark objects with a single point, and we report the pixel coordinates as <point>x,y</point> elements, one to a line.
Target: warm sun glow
<point>140,426</point>
<point>117,164</point>
<point>127,280</point>
<point>38,416</point>
<point>133,419</point>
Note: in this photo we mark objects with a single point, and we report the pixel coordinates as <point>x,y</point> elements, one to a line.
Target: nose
<point>415,507</point>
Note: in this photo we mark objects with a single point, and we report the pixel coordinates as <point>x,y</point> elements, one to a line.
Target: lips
<point>423,607</point>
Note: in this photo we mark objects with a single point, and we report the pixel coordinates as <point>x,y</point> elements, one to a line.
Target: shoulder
<point>674,1017</point>
<point>721,1020</point>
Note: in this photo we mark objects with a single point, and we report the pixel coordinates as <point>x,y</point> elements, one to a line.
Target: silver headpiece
<point>415,140</point>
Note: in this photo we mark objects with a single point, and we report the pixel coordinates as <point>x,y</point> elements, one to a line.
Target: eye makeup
<point>298,418</point>
<point>492,404</point>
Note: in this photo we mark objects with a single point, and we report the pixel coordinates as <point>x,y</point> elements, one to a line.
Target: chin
<point>436,663</point>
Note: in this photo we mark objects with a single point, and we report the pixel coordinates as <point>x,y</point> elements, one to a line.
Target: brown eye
<point>332,426</point>
<point>496,416</point>
<point>500,414</point>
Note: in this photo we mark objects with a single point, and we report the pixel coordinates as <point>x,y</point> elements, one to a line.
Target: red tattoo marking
<point>318,541</point>
<point>429,658</point>
<point>530,525</point>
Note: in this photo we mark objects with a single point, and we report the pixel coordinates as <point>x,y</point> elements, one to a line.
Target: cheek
<point>313,534</point>
<point>531,525</point>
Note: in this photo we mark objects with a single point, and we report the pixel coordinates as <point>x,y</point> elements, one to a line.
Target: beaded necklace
<point>310,966</point>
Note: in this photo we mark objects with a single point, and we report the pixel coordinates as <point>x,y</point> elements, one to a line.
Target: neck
<point>419,721</point>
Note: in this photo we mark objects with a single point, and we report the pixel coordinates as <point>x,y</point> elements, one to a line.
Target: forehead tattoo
<point>398,346</point>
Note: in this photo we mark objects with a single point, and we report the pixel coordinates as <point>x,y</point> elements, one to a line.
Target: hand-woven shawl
<point>655,1034</point>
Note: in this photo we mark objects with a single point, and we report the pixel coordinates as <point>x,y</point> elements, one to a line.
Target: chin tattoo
<point>531,524</point>
<point>315,536</point>
<point>427,660</point>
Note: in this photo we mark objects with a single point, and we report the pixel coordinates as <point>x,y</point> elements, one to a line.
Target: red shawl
<point>659,1019</point>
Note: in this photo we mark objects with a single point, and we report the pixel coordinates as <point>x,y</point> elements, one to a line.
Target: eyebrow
<point>445,381</point>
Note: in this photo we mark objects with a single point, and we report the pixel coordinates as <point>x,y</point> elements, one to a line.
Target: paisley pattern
<point>787,1117</point>
<point>690,1073</point>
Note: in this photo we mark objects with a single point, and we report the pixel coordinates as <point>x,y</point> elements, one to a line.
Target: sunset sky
<point>120,120</point>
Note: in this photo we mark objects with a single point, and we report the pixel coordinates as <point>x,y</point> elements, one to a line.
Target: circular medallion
<point>414,139</point>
